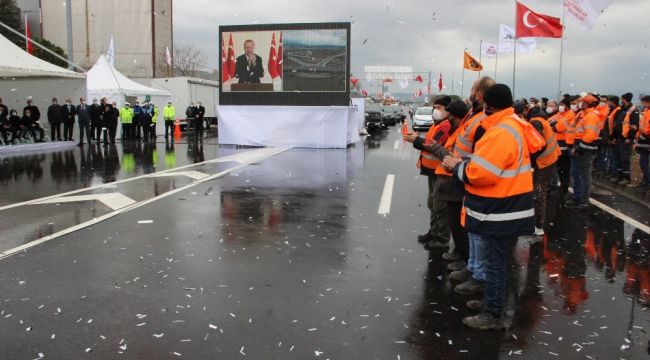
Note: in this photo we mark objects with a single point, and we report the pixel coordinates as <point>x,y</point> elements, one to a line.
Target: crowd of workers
<point>96,121</point>
<point>491,165</point>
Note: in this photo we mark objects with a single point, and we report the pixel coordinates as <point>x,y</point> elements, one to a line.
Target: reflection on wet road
<point>287,258</point>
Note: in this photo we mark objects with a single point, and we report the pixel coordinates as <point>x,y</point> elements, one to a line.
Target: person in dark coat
<point>33,110</point>
<point>4,112</point>
<point>68,111</point>
<point>95,120</point>
<point>84,117</point>
<point>16,123</point>
<point>199,114</point>
<point>55,118</point>
<point>33,126</point>
<point>109,120</point>
<point>116,114</point>
<point>5,124</point>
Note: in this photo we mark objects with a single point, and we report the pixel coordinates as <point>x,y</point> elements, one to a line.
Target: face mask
<point>438,115</point>
<point>550,110</point>
<point>575,107</point>
<point>68,103</point>
<point>561,108</point>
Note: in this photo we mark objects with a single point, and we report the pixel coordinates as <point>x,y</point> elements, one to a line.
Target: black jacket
<point>34,112</point>
<point>68,114</point>
<point>247,74</point>
<point>4,112</point>
<point>199,112</point>
<point>15,121</point>
<point>28,121</point>
<point>95,114</point>
<point>108,115</point>
<point>54,114</point>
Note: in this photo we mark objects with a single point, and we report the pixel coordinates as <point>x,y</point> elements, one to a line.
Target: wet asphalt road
<point>287,258</point>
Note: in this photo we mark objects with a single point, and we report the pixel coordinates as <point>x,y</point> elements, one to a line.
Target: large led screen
<point>285,64</point>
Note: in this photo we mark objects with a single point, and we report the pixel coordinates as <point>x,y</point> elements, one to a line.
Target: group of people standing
<point>492,163</point>
<point>139,121</point>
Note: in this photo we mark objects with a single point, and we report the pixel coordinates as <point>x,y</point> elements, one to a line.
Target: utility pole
<point>68,16</point>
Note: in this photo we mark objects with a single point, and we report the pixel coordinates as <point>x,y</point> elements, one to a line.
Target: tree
<point>44,55</point>
<point>10,15</point>
<point>188,59</point>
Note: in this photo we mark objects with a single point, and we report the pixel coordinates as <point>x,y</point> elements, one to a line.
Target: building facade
<point>141,29</point>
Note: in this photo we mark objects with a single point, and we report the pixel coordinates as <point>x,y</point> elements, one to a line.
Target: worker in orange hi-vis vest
<point>438,234</point>
<point>626,125</point>
<point>643,145</point>
<point>498,204</point>
<point>561,125</point>
<point>543,161</point>
<point>587,132</point>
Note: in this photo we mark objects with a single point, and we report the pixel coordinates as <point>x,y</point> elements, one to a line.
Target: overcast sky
<point>613,58</point>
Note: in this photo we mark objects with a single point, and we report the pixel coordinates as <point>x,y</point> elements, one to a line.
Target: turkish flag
<point>532,24</point>
<point>273,59</point>
<point>364,93</point>
<point>225,74</point>
<point>280,56</point>
<point>28,35</point>
<point>419,79</point>
<point>440,83</point>
<point>354,81</point>
<point>231,58</point>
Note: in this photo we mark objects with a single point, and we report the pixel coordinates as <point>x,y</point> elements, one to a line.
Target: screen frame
<point>307,98</point>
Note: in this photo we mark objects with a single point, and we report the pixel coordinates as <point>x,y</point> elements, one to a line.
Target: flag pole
<point>559,80</point>
<point>514,57</point>
<point>480,56</point>
<point>496,60</point>
<point>462,83</point>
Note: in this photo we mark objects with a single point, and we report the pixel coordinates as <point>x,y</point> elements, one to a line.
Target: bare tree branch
<point>188,59</point>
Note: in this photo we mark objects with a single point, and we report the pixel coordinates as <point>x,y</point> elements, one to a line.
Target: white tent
<point>25,76</point>
<point>103,80</point>
<point>15,62</point>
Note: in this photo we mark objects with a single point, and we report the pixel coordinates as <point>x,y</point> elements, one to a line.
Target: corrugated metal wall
<point>130,22</point>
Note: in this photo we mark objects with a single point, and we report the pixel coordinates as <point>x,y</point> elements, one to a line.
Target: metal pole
<point>480,56</point>
<point>462,83</point>
<point>68,18</point>
<point>429,86</point>
<point>514,58</point>
<point>496,60</point>
<point>559,80</point>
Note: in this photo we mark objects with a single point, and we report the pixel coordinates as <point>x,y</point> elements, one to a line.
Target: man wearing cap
<point>498,205</point>
<point>587,132</point>
<point>438,234</point>
<point>626,125</point>
<point>126,117</point>
<point>169,115</point>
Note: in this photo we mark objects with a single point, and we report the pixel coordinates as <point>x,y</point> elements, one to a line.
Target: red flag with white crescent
<point>28,35</point>
<point>273,59</point>
<point>225,74</point>
<point>231,58</point>
<point>280,56</point>
<point>532,24</point>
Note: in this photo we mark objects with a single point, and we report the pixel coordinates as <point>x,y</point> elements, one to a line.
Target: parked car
<point>400,113</point>
<point>388,115</point>
<point>373,117</point>
<point>423,120</point>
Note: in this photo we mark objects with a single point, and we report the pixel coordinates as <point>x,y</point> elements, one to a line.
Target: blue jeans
<point>476,262</point>
<point>496,267</point>
<point>577,178</point>
<point>644,162</point>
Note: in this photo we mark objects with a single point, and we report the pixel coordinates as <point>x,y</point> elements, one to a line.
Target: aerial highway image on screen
<point>315,60</point>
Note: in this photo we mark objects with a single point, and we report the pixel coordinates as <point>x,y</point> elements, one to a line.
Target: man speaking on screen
<point>248,67</point>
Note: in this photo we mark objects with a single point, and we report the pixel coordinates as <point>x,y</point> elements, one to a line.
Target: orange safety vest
<point>643,135</point>
<point>603,112</point>
<point>563,128</point>
<point>611,119</point>
<point>551,151</point>
<point>626,122</point>
<point>588,129</point>
<point>449,145</point>
<point>499,180</point>
<point>465,141</point>
<point>426,158</point>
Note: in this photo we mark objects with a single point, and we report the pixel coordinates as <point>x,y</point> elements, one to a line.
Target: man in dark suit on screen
<point>248,67</point>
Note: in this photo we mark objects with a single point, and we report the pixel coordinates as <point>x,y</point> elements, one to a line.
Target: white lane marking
<point>69,230</point>
<point>618,214</point>
<point>235,157</point>
<point>396,146</point>
<point>196,175</point>
<point>112,200</point>
<point>386,196</point>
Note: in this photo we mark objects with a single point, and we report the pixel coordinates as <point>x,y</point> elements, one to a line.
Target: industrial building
<point>141,29</point>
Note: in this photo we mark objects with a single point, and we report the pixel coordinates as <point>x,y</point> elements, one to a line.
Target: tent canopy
<point>104,80</point>
<point>15,62</point>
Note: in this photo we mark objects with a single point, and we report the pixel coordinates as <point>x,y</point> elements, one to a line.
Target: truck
<point>185,90</point>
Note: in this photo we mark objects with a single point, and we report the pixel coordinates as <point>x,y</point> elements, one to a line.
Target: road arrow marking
<point>112,200</point>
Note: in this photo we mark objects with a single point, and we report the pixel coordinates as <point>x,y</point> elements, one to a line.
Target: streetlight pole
<point>68,17</point>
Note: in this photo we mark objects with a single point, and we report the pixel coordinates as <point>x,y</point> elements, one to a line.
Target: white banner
<point>585,12</point>
<point>507,42</point>
<point>403,83</point>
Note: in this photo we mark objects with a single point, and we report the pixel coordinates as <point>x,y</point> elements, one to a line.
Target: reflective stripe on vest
<point>502,173</point>
<point>500,217</point>
<point>588,147</point>
<point>464,139</point>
